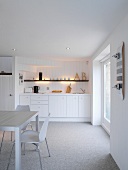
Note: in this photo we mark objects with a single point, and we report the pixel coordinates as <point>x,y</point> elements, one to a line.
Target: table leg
<point>17,149</point>
<point>37,123</point>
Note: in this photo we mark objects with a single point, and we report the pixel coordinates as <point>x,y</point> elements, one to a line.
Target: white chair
<point>24,108</point>
<point>36,138</point>
<point>18,108</point>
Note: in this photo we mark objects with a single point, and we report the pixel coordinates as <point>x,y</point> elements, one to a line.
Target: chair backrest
<point>23,108</point>
<point>43,131</point>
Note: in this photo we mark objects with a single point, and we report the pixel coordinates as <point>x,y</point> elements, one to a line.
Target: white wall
<point>119,108</point>
<point>6,64</point>
<point>30,69</point>
<point>96,110</point>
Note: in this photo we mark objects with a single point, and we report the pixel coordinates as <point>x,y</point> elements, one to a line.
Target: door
<point>106,94</point>
<point>6,92</point>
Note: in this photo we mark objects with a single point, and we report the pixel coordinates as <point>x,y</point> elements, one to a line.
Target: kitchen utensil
<point>36,89</point>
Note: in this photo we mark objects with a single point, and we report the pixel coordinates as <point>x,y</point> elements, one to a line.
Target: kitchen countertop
<point>55,93</point>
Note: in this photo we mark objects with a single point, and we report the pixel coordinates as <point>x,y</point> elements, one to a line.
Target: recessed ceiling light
<point>67,48</point>
<point>13,49</point>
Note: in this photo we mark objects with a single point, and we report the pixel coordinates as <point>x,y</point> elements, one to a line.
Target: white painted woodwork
<point>72,106</point>
<point>39,97</point>
<point>63,107</point>
<point>42,109</point>
<point>6,92</point>
<point>57,106</point>
<point>84,106</point>
<point>24,100</point>
<point>39,103</point>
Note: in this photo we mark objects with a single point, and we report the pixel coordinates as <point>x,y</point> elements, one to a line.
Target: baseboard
<point>106,129</point>
<point>87,119</point>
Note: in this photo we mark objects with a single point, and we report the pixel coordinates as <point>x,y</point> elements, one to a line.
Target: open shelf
<point>57,80</point>
<point>5,73</point>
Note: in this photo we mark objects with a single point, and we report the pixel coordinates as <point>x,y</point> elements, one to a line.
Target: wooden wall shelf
<point>5,73</point>
<point>57,80</point>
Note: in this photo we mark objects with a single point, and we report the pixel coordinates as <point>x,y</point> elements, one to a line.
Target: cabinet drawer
<point>39,102</point>
<point>24,100</point>
<point>39,97</point>
<point>42,109</point>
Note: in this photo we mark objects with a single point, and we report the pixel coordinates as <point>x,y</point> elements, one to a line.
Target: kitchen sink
<point>78,93</point>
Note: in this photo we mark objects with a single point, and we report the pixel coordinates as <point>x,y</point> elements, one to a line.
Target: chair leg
<point>10,156</point>
<point>31,126</point>
<point>24,148</point>
<point>47,146</point>
<point>40,159</point>
<point>11,135</point>
<point>2,141</point>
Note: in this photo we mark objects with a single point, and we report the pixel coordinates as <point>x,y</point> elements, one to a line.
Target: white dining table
<point>16,121</point>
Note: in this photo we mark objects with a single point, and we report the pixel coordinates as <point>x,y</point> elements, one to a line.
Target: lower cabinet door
<point>43,109</point>
<point>57,106</point>
<point>72,106</point>
<point>84,106</point>
<point>24,100</point>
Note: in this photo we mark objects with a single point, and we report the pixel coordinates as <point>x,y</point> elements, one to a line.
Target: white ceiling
<point>44,28</point>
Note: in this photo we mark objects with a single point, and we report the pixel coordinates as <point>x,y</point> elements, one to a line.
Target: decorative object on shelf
<point>21,79</point>
<point>69,89</point>
<point>77,77</point>
<point>40,75</point>
<point>120,70</point>
<point>56,91</point>
<point>83,76</point>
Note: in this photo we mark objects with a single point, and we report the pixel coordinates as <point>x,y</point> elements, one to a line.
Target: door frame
<point>104,122</point>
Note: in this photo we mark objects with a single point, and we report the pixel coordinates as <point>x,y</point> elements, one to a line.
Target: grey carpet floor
<point>73,146</point>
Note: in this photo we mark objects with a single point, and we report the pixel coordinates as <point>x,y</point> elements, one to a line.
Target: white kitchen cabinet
<point>42,109</point>
<point>84,106</point>
<point>39,97</point>
<point>63,107</point>
<point>40,103</point>
<point>57,106</point>
<point>25,100</point>
<point>72,106</point>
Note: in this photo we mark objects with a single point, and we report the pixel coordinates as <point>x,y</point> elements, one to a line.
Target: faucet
<point>82,90</point>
